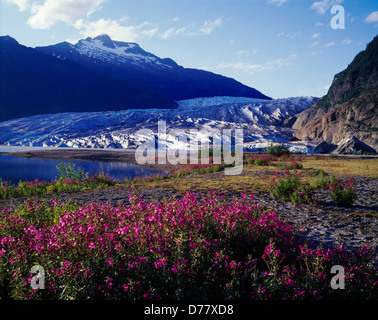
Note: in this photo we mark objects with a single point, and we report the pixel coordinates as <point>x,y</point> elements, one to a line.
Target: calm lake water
<point>14,169</point>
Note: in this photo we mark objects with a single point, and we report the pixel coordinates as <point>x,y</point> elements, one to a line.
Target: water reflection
<point>14,169</point>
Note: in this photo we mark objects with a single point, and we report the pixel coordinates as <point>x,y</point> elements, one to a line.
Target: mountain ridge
<point>34,83</point>
<point>99,74</point>
<point>127,60</point>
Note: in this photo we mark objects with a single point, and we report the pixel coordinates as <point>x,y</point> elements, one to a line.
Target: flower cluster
<point>342,193</point>
<point>199,168</point>
<point>260,159</point>
<point>201,247</point>
<point>291,162</point>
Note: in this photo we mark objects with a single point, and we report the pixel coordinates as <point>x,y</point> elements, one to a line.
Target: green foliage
<point>277,150</point>
<point>212,150</point>
<point>261,162</point>
<point>319,182</point>
<point>42,214</point>
<point>342,193</point>
<point>71,180</point>
<point>291,164</point>
<point>288,187</point>
<point>357,79</point>
<point>316,172</point>
<point>69,171</point>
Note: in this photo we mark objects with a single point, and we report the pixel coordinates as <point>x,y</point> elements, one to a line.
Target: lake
<point>14,169</point>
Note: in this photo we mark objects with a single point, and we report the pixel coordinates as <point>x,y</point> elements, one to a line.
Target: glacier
<point>261,121</point>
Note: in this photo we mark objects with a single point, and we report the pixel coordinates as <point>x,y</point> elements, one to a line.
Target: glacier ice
<point>260,120</point>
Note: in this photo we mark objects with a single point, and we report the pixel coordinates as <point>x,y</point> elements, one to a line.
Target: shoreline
<point>77,154</point>
<point>106,155</point>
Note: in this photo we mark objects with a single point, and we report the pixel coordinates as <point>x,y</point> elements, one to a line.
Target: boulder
<point>325,147</point>
<point>352,145</point>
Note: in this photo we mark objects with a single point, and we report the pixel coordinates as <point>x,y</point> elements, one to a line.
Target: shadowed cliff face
<point>350,106</point>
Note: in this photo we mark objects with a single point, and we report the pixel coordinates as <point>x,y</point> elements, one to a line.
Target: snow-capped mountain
<point>127,60</point>
<point>102,49</point>
<point>260,120</point>
<point>99,74</point>
<point>34,83</point>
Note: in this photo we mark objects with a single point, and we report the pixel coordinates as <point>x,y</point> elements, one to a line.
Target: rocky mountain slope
<point>346,119</point>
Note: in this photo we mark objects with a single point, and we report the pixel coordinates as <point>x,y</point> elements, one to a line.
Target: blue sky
<point>283,48</point>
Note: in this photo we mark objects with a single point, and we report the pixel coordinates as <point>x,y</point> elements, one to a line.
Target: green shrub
<point>342,193</point>
<point>320,182</point>
<point>69,171</point>
<point>277,150</point>
<point>316,172</point>
<point>288,187</point>
<point>261,162</point>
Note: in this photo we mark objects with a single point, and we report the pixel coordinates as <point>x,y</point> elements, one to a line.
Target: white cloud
<point>124,18</point>
<point>208,26</point>
<point>316,52</point>
<point>269,65</point>
<point>242,53</point>
<point>277,3</point>
<point>169,33</point>
<point>250,68</point>
<point>372,17</point>
<point>323,6</point>
<point>329,44</point>
<point>148,32</point>
<point>173,32</point>
<point>245,53</point>
<point>314,44</point>
<point>115,30</point>
<point>315,35</point>
<point>346,41</point>
<point>288,35</point>
<point>192,29</point>
<point>51,11</point>
<point>21,4</point>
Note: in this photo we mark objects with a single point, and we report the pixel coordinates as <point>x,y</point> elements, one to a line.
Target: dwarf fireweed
<point>342,192</point>
<point>261,159</point>
<point>196,247</point>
